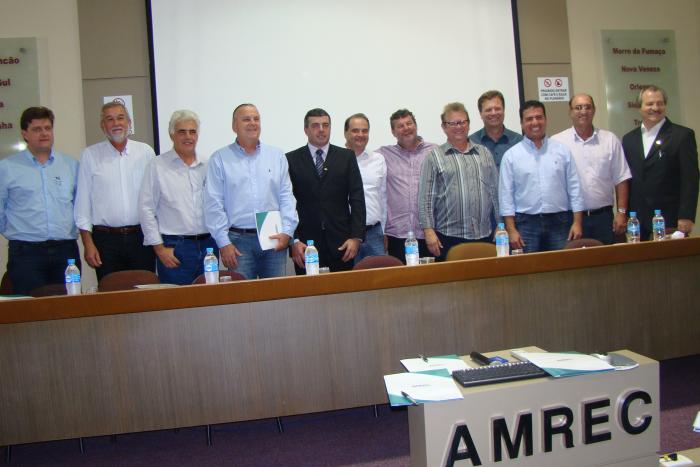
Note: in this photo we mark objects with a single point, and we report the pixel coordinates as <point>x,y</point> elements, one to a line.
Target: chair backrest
<point>471,251</point>
<point>6,285</point>
<point>235,276</point>
<point>379,261</point>
<point>48,290</point>
<point>126,280</point>
<point>582,243</point>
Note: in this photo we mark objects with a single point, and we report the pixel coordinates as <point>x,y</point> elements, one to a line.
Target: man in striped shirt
<point>458,191</point>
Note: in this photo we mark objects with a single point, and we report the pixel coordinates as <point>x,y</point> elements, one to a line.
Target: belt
<point>204,236</point>
<point>243,231</point>
<point>373,226</point>
<point>124,230</point>
<point>547,214</point>
<point>593,212</point>
<point>45,243</point>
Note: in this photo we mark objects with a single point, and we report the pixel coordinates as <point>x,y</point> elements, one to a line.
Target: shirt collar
<point>653,130</point>
<point>531,145</point>
<point>240,148</point>
<point>448,148</point>
<point>578,138</point>
<point>31,157</point>
<point>313,149</point>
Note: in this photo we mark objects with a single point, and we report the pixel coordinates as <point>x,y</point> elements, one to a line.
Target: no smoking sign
<point>553,89</point>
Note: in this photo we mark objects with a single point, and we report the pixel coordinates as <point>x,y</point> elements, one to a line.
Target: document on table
<point>448,362</point>
<point>421,387</point>
<point>268,223</point>
<point>565,363</point>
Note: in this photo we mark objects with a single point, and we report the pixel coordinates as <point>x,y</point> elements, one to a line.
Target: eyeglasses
<point>581,107</point>
<point>457,123</point>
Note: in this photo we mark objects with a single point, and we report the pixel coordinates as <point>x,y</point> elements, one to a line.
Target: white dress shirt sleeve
<point>215,217</point>
<point>149,197</point>
<point>83,201</point>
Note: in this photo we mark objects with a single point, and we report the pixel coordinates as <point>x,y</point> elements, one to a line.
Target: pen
<point>411,399</point>
<point>423,357</point>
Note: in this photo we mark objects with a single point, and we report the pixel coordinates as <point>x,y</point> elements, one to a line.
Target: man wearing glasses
<point>458,191</point>
<point>602,170</point>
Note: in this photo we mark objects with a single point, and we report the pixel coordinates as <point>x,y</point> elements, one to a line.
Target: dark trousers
<point>122,252</point>
<point>327,258</point>
<point>33,264</point>
<point>396,247</point>
<point>448,242</point>
<point>544,232</point>
<point>599,226</point>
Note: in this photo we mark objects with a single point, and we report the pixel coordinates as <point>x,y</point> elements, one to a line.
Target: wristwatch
<point>622,210</point>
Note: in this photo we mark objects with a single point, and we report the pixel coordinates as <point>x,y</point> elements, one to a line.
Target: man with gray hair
<point>171,205</point>
<point>458,191</point>
<point>663,158</point>
<point>244,178</point>
<point>106,204</point>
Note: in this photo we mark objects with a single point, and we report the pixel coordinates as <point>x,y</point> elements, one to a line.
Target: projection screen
<point>370,56</point>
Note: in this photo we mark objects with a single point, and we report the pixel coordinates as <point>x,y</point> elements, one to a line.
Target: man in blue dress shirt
<point>539,194</point>
<point>37,190</point>
<point>243,178</point>
<point>494,135</point>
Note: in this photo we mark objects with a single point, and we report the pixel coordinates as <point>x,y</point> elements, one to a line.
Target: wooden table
<point>152,359</point>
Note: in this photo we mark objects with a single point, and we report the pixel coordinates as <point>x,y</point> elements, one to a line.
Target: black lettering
<point>5,126</point>
<point>625,413</point>
<point>462,434</point>
<point>589,420</point>
<point>617,51</point>
<point>564,429</point>
<point>500,433</point>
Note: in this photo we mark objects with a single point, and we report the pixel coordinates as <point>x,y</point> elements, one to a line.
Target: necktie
<point>319,161</point>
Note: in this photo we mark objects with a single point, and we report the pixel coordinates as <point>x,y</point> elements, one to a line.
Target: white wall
<point>55,24</point>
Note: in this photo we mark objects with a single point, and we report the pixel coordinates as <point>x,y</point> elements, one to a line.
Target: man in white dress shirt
<point>602,170</point>
<point>106,205</point>
<point>171,205</point>
<point>373,171</point>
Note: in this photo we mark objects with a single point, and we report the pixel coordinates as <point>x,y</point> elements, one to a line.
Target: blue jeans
<point>544,232</point>
<point>256,263</point>
<point>191,255</point>
<point>599,226</point>
<point>373,244</point>
<point>33,264</point>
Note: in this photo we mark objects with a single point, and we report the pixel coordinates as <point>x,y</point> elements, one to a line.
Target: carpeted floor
<point>341,438</point>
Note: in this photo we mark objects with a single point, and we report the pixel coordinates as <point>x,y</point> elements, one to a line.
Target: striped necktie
<point>319,161</point>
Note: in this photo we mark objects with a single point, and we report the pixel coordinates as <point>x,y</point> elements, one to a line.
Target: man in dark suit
<point>663,158</point>
<point>330,199</point>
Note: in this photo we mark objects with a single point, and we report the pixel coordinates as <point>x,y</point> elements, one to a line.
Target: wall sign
<point>19,89</point>
<point>632,60</point>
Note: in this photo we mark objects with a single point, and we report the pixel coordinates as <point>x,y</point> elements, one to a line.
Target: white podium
<point>601,419</point>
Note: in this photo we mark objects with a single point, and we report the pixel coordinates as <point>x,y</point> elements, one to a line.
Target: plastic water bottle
<point>502,241</point>
<point>211,267</point>
<point>72,278</point>
<point>633,232</point>
<point>311,259</point>
<point>658,225</point>
<point>411,248</point>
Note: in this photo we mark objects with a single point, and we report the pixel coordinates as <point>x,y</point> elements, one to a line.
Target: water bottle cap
<point>633,213</point>
<point>71,262</point>
<point>210,251</point>
<point>309,243</point>
<point>657,212</point>
<point>410,233</point>
<point>501,225</point>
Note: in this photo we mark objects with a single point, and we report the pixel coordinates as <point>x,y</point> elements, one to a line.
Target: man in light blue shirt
<point>243,178</point>
<point>37,190</point>
<point>539,188</point>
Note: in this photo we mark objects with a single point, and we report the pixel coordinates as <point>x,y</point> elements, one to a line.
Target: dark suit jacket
<point>667,179</point>
<point>332,207</point>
